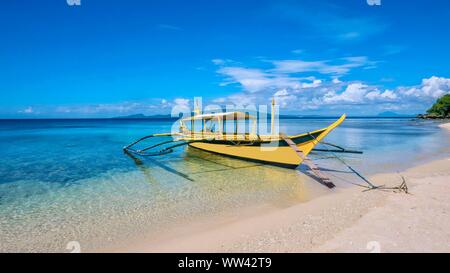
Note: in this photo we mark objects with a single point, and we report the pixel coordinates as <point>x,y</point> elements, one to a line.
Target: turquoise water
<point>69,180</point>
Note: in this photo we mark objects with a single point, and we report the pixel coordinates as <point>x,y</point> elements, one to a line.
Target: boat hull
<point>278,156</point>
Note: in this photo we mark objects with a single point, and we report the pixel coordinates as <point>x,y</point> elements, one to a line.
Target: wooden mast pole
<point>235,126</point>
<point>219,124</point>
<point>272,124</point>
<point>197,111</point>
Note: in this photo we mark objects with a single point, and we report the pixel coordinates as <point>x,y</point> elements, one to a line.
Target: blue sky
<point>117,57</point>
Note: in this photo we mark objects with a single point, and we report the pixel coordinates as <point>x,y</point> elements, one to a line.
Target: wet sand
<point>347,220</point>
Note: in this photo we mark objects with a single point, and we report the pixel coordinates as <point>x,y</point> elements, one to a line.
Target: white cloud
<point>433,87</point>
<point>306,92</point>
<point>386,95</point>
<point>284,98</point>
<point>222,62</point>
<point>335,95</point>
<point>436,87</point>
<point>256,80</point>
<point>218,61</point>
<point>242,99</point>
<point>337,67</point>
<point>336,80</point>
<point>252,80</point>
<point>283,92</point>
<point>354,93</point>
<point>296,66</point>
<point>28,110</point>
<point>296,92</point>
<point>314,84</point>
<point>400,97</point>
<point>282,75</point>
<point>181,102</point>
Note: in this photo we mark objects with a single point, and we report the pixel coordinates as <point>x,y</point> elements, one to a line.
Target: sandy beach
<point>348,220</point>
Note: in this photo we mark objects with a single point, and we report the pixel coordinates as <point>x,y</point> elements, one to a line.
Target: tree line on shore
<point>439,110</point>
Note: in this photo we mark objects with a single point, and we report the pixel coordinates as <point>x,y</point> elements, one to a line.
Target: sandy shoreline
<point>348,220</point>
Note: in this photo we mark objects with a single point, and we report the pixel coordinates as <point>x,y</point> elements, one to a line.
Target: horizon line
<point>174,118</point>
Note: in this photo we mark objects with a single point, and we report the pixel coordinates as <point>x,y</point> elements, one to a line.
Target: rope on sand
<point>403,187</point>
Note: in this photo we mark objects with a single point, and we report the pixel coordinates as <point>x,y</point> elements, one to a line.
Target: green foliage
<point>441,108</point>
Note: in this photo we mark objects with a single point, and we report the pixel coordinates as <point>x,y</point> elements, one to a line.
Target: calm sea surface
<point>69,180</point>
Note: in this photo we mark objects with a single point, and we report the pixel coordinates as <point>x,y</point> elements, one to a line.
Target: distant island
<point>390,114</point>
<point>439,110</point>
<point>152,117</point>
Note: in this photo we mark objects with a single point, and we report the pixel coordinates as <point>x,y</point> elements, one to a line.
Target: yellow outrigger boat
<point>276,149</point>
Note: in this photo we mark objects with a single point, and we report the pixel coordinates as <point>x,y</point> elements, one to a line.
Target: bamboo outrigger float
<point>276,149</point>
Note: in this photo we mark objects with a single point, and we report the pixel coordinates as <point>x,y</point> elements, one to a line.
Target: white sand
<point>417,222</point>
<point>445,126</point>
<point>348,220</point>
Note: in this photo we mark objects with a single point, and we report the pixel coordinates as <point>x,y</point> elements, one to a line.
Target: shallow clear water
<point>68,180</point>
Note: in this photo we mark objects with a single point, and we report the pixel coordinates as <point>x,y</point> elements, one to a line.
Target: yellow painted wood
<point>279,155</point>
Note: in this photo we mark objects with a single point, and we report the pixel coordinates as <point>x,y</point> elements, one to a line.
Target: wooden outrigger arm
<point>146,137</point>
<point>166,150</point>
<point>339,149</point>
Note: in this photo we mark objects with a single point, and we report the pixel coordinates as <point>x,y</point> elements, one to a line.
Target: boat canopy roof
<point>226,115</point>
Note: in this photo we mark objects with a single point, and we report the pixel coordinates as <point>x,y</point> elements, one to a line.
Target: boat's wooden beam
<point>308,162</point>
